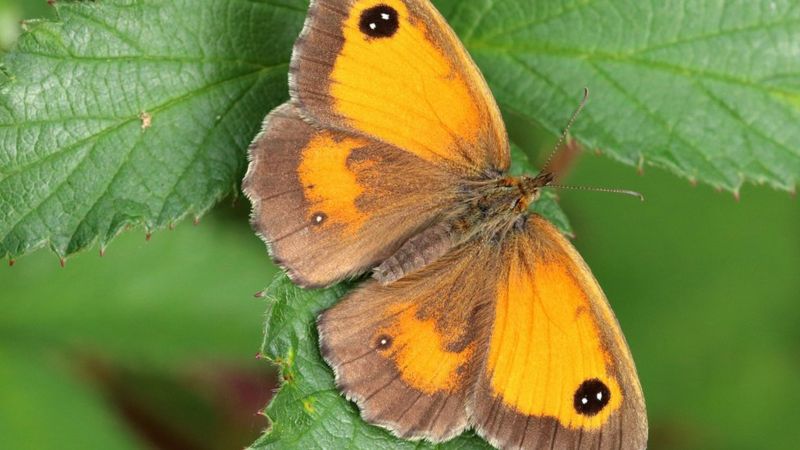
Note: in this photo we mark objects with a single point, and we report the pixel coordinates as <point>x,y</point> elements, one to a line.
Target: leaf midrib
<point>166,105</point>
<point>133,58</point>
<point>126,119</point>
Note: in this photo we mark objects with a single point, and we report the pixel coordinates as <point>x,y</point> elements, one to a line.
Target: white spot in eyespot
<point>584,400</point>
<point>385,16</point>
<point>318,218</point>
<point>384,341</point>
<point>373,26</point>
<point>600,396</point>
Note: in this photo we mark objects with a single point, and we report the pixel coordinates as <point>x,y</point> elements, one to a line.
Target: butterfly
<point>391,157</point>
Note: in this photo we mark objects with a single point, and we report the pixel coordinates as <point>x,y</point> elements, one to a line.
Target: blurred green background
<point>152,346</point>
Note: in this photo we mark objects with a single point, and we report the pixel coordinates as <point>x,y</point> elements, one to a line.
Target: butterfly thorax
<point>491,208</point>
<point>505,195</point>
<point>487,209</point>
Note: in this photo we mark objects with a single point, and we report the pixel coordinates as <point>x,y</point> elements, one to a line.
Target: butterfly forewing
<point>331,204</point>
<point>395,71</point>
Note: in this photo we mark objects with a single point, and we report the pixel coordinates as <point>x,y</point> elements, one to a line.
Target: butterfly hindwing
<point>395,71</point>
<point>331,204</point>
<point>406,352</point>
<point>558,373</point>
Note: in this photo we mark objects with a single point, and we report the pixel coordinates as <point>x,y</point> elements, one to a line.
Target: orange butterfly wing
<point>395,71</point>
<point>509,337</point>
<point>558,372</point>
<point>331,204</point>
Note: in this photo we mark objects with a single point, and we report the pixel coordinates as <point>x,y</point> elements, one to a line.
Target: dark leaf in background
<point>154,342</point>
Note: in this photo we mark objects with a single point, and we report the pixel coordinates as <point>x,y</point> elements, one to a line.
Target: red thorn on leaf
<point>102,251</point>
<point>51,2</point>
<point>62,262</point>
<point>259,355</point>
<point>11,262</point>
<point>171,226</point>
<point>718,189</point>
<point>196,221</point>
<point>261,413</point>
<point>640,170</point>
<point>148,236</point>
<point>598,152</point>
<point>737,196</point>
<point>260,294</point>
<point>693,182</point>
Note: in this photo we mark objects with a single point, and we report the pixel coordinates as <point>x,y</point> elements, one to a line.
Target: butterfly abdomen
<point>417,252</point>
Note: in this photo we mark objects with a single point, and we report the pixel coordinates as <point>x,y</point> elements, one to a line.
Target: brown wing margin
<point>331,205</point>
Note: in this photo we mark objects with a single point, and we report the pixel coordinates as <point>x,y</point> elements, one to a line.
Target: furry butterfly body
<point>390,158</point>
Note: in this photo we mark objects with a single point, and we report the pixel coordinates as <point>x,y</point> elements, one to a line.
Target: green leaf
<point>78,161</point>
<point>308,411</point>
<point>707,90</point>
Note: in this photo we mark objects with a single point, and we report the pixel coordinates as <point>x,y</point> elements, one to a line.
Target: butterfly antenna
<point>563,137</point>
<point>548,174</point>
<point>593,189</point>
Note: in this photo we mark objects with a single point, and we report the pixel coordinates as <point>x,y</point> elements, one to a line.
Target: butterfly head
<point>511,195</point>
<point>531,188</point>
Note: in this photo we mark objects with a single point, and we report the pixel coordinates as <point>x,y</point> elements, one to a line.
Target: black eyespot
<point>379,21</point>
<point>591,397</point>
<point>383,342</point>
<point>318,218</point>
